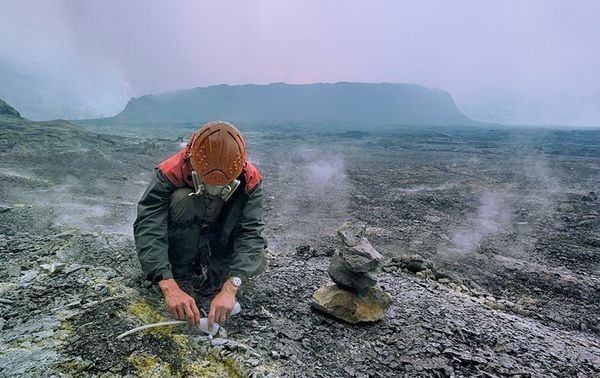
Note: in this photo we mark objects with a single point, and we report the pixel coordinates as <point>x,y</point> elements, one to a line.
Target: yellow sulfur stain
<point>144,311</point>
<point>146,314</point>
<point>212,367</point>
<point>192,363</point>
<point>150,366</point>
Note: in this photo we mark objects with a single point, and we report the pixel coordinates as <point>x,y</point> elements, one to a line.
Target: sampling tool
<point>203,326</point>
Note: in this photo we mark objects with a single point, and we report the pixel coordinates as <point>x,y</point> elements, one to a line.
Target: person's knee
<point>181,206</point>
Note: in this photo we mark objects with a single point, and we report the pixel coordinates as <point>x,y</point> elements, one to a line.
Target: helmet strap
<point>229,189</point>
<point>199,188</point>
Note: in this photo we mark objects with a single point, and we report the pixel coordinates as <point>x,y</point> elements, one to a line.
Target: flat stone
<point>340,274</point>
<point>4,208</point>
<point>29,276</point>
<point>351,232</point>
<point>362,257</point>
<point>351,307</point>
<point>52,267</point>
<point>222,342</point>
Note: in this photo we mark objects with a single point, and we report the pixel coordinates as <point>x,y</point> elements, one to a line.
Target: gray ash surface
<point>501,226</point>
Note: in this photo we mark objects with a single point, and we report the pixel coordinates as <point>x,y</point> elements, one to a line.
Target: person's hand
<point>221,305</point>
<point>179,303</point>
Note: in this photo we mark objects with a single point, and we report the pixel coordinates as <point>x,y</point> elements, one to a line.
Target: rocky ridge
<point>8,111</point>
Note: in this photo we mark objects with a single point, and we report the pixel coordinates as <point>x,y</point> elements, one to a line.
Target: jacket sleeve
<point>150,229</point>
<point>248,242</point>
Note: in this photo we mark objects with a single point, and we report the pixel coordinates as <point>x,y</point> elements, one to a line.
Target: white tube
<point>203,326</point>
<point>141,328</point>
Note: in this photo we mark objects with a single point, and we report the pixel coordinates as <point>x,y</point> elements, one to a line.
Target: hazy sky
<point>509,61</point>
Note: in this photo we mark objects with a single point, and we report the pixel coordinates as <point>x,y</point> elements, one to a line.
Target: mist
<point>515,62</point>
<point>316,195</point>
<point>528,197</point>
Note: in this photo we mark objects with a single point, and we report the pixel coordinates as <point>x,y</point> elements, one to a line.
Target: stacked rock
<point>354,296</point>
<point>355,265</point>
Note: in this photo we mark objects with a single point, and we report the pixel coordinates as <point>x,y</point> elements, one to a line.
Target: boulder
<point>352,307</point>
<point>590,197</point>
<point>415,263</point>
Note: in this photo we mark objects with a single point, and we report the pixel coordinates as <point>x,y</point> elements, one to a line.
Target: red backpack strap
<point>177,169</point>
<point>252,177</point>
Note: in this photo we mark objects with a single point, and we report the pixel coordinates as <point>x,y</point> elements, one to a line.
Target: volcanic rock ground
<point>504,222</point>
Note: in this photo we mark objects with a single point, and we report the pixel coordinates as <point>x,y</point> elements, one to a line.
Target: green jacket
<point>240,228</point>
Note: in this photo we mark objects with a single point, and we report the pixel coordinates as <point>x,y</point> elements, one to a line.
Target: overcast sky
<point>533,62</point>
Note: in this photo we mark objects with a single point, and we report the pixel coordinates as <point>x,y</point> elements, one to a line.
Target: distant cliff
<point>8,111</point>
<point>21,135</point>
<point>361,103</point>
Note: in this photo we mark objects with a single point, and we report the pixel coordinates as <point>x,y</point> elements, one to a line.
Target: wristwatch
<point>236,281</point>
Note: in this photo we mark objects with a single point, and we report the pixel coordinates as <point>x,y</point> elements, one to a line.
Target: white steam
<point>312,194</point>
<point>95,205</point>
<point>493,216</point>
<point>529,198</point>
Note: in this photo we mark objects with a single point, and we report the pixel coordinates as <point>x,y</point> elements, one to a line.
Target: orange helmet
<point>218,153</point>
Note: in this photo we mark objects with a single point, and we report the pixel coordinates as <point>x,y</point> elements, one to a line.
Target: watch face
<point>237,281</point>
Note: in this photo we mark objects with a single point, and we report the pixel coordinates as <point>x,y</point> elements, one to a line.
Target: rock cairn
<point>353,297</point>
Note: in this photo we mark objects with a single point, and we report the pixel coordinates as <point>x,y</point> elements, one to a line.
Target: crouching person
<point>203,211</point>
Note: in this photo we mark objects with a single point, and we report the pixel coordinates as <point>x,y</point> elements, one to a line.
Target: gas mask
<point>220,191</point>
